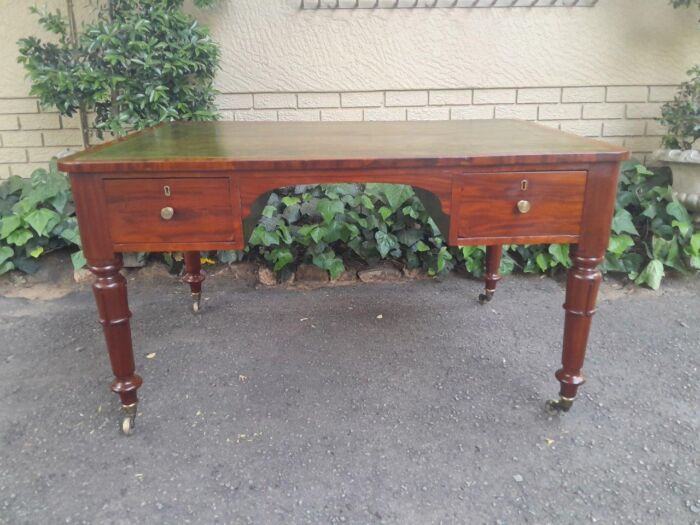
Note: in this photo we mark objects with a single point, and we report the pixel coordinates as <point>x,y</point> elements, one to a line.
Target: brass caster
<point>563,404</point>
<point>486,297</point>
<point>128,419</point>
<point>196,303</point>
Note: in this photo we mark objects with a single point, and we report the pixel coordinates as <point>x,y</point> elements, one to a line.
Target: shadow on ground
<point>280,406</point>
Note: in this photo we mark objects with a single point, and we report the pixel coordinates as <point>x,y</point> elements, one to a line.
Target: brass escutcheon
<point>167,213</point>
<point>166,191</point>
<point>523,206</point>
<point>523,185</point>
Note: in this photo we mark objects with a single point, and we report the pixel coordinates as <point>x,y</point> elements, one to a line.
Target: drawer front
<point>513,206</point>
<point>163,210</point>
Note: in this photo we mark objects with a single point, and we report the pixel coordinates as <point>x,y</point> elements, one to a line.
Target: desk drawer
<point>525,207</point>
<point>169,210</point>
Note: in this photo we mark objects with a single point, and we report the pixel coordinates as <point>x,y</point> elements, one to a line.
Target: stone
<point>414,273</point>
<point>266,276</point>
<point>287,276</point>
<point>82,276</point>
<point>383,272</point>
<point>310,272</point>
<point>244,271</point>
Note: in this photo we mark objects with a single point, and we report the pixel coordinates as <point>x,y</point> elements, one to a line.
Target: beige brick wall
<point>624,115</point>
<point>29,137</point>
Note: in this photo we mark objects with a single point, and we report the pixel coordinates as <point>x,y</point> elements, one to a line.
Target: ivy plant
<point>326,224</point>
<point>37,216</point>
<point>651,230</point>
<point>140,62</point>
<point>333,225</point>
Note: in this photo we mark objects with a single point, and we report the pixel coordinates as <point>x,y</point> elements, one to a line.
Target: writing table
<point>202,185</point>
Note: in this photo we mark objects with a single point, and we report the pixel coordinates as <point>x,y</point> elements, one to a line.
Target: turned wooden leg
<point>113,307</point>
<point>493,262</point>
<point>582,286</point>
<point>194,277</point>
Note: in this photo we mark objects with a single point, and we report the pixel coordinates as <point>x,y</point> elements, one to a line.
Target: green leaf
<point>9,224</point>
<point>282,257</point>
<point>652,275</point>
<point>622,223</point>
<point>695,243</point>
<point>385,212</point>
<point>72,235</point>
<point>619,244</point>
<point>420,246</point>
<point>261,236</point>
<point>542,262</point>
<point>366,202</point>
<point>393,194</point>
<point>78,260</point>
<point>19,237</point>
<point>36,252</point>
<point>330,262</point>
<point>560,252</point>
<point>269,211</point>
<point>409,236</point>
<point>676,210</point>
<point>6,253</point>
<point>290,200</point>
<point>329,209</point>
<point>385,242</point>
<point>43,220</point>
<point>6,267</point>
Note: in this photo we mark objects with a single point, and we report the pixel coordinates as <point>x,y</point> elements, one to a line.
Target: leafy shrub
<point>682,116</point>
<point>37,216</point>
<point>139,63</point>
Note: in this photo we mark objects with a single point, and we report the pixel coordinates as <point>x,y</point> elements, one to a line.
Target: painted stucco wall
<point>602,71</point>
<point>271,45</point>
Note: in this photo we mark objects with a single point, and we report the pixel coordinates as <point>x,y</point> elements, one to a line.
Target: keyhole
<point>523,185</point>
<point>166,191</point>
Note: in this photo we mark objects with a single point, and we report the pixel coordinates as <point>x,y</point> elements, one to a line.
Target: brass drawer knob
<point>167,213</point>
<point>523,206</point>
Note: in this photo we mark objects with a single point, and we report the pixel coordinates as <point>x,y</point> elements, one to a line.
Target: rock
<point>310,272</point>
<point>266,276</point>
<point>414,273</point>
<point>244,271</point>
<point>287,276</point>
<point>347,276</point>
<point>155,270</point>
<point>82,276</point>
<point>518,478</point>
<point>17,278</point>
<point>384,272</point>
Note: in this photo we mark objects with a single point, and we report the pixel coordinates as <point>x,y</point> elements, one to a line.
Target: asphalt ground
<point>370,403</point>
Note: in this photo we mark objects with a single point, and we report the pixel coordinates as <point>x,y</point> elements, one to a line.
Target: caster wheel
<point>196,303</point>
<point>128,422</point>
<point>563,404</point>
<point>485,297</point>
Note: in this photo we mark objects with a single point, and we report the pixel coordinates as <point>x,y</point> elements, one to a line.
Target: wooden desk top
<point>294,145</point>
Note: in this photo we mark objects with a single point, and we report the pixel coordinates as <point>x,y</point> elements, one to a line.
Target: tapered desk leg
<point>493,262</point>
<point>582,286</point>
<point>113,307</point>
<point>194,277</point>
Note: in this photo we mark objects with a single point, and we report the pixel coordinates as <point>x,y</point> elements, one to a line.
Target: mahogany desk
<point>202,186</point>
